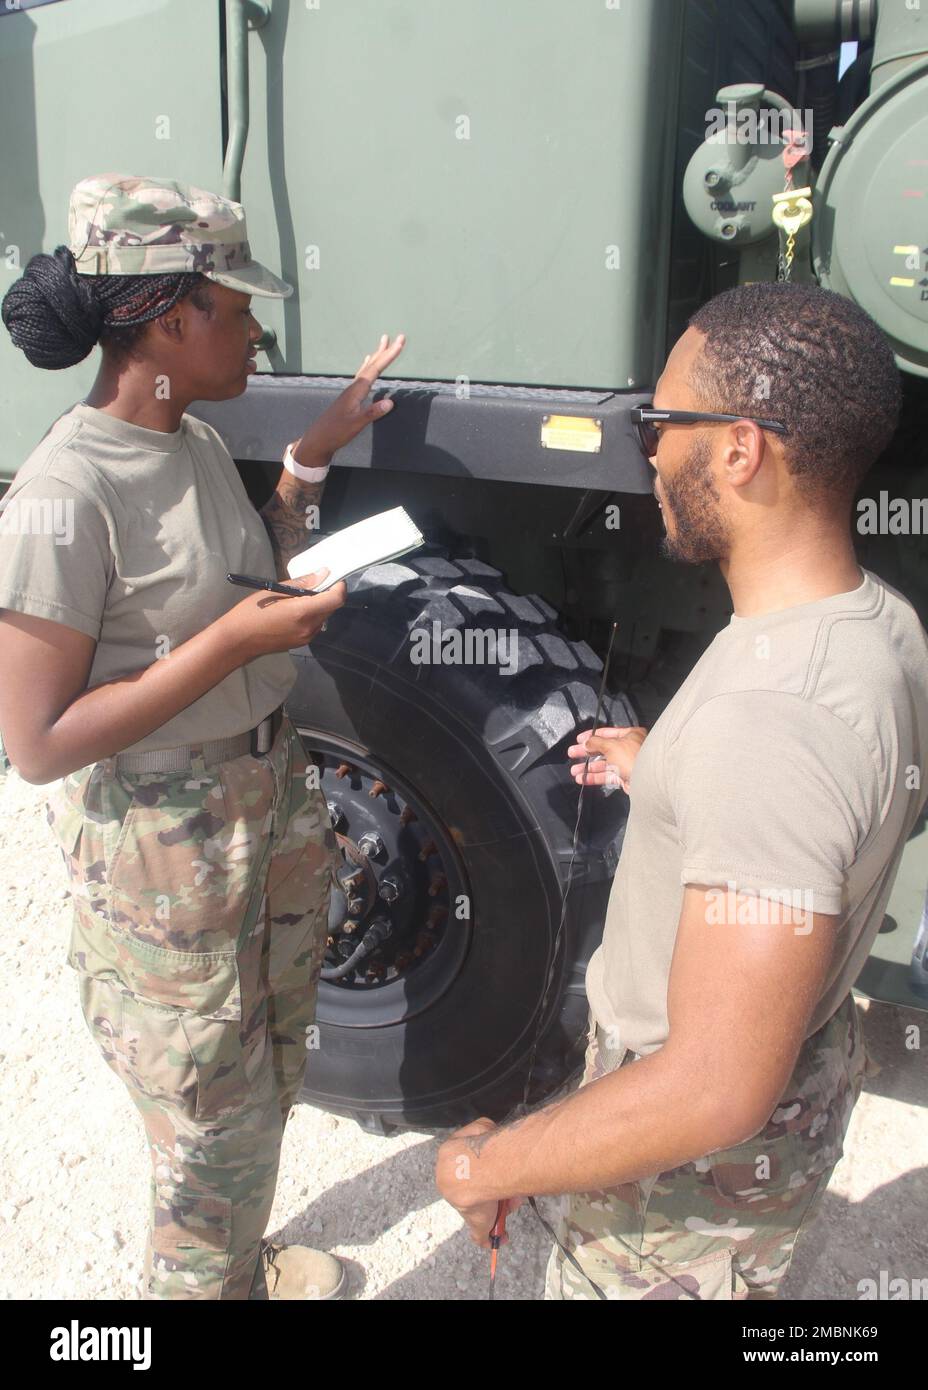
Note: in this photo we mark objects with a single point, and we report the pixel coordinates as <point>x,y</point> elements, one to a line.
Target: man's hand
<point>349,413</point>
<point>457,1180</point>
<point>618,748</point>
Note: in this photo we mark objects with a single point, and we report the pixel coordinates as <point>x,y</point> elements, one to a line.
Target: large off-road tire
<point>460,770</point>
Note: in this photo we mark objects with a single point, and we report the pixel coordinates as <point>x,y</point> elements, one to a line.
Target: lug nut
<point>350,876</point>
<point>336,814</point>
<point>370,844</point>
<point>355,907</point>
<point>389,890</point>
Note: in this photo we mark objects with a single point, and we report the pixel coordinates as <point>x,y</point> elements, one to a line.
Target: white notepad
<point>373,541</point>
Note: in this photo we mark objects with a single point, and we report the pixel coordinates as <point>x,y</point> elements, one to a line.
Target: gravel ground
<point>73,1194</point>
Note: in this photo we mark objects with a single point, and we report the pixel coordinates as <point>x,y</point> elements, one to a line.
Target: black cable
<point>650,1259</point>
<point>554,956</point>
<point>565,1252</point>
<point>570,874</point>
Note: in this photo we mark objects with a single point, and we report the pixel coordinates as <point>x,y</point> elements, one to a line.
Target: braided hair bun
<point>56,315</point>
<point>51,311</point>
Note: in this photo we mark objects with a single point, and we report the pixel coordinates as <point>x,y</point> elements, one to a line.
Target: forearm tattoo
<point>285,515</point>
<point>477,1142</point>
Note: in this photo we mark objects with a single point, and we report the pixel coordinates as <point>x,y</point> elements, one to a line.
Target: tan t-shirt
<point>791,764</point>
<point>127,534</point>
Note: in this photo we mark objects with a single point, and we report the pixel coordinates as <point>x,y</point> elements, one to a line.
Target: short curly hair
<point>811,358</point>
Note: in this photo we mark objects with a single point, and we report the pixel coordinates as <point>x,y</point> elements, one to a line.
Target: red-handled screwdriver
<point>496,1238</point>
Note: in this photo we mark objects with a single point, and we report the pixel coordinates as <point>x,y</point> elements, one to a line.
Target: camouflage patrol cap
<point>119,224</point>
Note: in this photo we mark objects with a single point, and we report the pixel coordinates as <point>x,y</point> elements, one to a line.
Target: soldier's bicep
<point>745,977</point>
<point>45,665</point>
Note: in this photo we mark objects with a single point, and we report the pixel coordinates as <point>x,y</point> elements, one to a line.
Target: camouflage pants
<point>200,920</point>
<point>724,1226</point>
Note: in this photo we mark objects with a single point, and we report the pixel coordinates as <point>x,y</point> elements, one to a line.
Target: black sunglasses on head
<point>644,418</point>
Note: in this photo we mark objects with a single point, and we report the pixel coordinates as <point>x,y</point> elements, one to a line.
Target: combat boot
<point>298,1271</point>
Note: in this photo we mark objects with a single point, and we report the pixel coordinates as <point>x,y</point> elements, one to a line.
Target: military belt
<point>256,741</point>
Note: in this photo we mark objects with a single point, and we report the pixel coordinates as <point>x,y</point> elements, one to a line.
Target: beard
<point>691,501</point>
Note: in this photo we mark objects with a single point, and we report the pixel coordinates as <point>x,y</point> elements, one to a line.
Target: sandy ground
<point>74,1184</point>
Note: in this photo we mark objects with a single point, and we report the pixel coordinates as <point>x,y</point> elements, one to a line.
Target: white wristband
<point>306,475</point>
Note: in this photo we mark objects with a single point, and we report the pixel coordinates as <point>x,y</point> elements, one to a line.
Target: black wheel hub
<point>402,887</point>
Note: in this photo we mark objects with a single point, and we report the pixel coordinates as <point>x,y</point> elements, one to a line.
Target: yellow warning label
<point>580,433</point>
<point>901,280</point>
<point>905,250</point>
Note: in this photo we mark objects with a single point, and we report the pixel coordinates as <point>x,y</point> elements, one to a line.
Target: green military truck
<point>539,193</point>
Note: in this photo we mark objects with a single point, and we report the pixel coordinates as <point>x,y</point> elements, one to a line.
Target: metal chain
<point>791,156</point>
<point>785,262</point>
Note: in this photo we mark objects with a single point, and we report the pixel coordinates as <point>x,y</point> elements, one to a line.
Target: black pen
<point>252,581</point>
